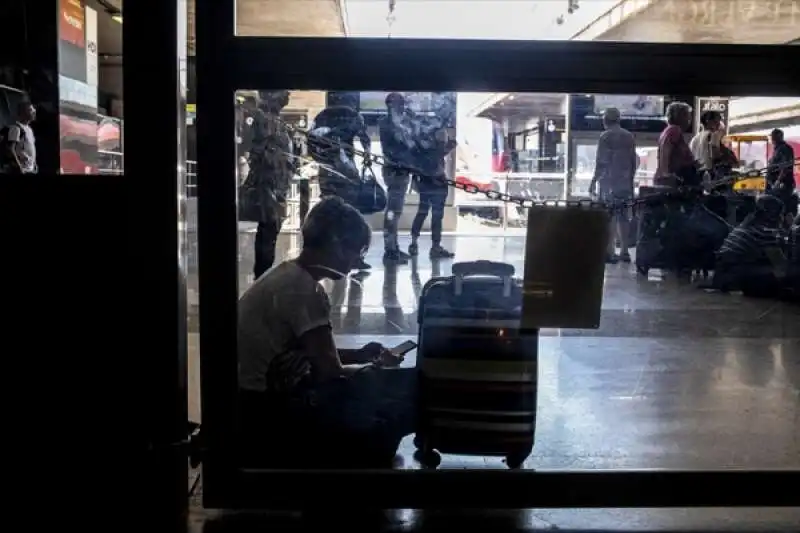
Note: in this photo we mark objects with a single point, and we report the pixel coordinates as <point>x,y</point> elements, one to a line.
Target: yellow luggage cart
<point>753,152</point>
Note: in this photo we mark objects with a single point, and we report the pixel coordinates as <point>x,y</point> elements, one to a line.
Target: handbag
<point>371,196</point>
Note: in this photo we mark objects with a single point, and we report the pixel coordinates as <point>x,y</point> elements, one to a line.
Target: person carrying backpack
<point>18,143</point>
<point>330,144</point>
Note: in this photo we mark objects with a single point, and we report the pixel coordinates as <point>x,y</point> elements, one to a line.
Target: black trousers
<point>431,198</point>
<point>265,243</point>
<point>352,422</point>
<point>396,187</point>
<point>304,189</point>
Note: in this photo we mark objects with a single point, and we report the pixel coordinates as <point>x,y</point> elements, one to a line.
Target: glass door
<point>576,422</point>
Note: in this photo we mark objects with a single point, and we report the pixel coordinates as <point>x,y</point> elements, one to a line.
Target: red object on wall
<point>72,22</point>
<point>71,163</point>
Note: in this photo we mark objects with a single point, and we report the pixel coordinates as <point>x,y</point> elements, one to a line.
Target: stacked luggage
<point>678,232</point>
<point>478,368</point>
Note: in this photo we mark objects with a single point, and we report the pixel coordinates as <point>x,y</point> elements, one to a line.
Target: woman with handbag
<point>262,196</point>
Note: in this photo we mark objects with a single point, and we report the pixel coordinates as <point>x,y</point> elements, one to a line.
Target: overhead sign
<point>92,62</point>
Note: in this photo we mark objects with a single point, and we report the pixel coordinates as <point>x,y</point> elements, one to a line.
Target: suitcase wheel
<point>427,457</point>
<point>516,459</point>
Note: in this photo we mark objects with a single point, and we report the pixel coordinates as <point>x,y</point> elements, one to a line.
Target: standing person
<point>433,144</point>
<point>780,170</point>
<point>675,159</point>
<point>19,143</point>
<point>396,145</point>
<point>331,144</point>
<point>614,173</point>
<point>269,175</point>
<point>706,146</point>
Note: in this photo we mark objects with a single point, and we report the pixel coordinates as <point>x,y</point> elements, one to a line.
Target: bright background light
<point>471,19</point>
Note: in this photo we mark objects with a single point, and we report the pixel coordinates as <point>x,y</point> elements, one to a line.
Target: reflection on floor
<point>501,521</point>
<point>674,378</point>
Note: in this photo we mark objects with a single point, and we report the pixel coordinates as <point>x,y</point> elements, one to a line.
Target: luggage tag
<point>565,253</point>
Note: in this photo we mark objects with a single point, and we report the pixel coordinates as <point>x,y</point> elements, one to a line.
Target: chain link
<point>527,203</point>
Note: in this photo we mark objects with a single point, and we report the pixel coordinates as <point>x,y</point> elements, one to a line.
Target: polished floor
<point>673,378</point>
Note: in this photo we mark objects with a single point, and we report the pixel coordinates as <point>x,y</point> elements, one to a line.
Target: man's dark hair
<point>332,218</point>
<point>777,134</point>
<point>395,98</point>
<point>23,105</point>
<point>343,98</point>
<point>250,100</point>
<point>710,116</point>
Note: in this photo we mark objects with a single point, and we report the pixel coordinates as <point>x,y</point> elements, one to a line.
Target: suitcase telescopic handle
<point>503,271</point>
<point>483,268</point>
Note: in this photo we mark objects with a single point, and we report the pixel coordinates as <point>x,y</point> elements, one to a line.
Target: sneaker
<point>363,265</point>
<point>437,252</point>
<point>612,259</point>
<point>413,249</point>
<point>396,256</point>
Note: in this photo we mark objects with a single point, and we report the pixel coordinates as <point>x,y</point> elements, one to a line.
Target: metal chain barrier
<point>524,202</point>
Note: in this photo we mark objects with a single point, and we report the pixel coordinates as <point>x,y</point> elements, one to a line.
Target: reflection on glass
<point>673,21</point>
<point>342,177</point>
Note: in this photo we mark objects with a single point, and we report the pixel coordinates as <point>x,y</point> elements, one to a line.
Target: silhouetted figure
<point>270,172</point>
<point>433,143</point>
<point>676,165</point>
<point>780,171</point>
<point>614,173</point>
<point>331,140</point>
<point>397,144</point>
<point>302,400</point>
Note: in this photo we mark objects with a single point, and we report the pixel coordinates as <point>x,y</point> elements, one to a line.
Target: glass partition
<point>680,374</point>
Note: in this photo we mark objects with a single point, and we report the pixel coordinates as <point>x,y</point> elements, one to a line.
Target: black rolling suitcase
<point>478,369</point>
<point>671,228</point>
<point>653,214</point>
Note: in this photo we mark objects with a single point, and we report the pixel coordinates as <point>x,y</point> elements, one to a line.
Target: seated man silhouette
<point>751,259</point>
<point>302,402</point>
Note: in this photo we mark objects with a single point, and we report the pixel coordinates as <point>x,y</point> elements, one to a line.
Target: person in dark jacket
<point>269,152</point>
<point>397,144</point>
<point>331,144</point>
<point>780,170</point>
<point>747,259</point>
<point>433,144</point>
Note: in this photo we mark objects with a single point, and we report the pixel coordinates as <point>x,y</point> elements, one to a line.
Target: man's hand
<point>380,355</point>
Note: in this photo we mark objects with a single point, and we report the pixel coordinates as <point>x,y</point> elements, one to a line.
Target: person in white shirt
<point>706,145</point>
<point>21,142</point>
<point>295,386</point>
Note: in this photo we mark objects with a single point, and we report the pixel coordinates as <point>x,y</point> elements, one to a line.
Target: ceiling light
<point>118,18</point>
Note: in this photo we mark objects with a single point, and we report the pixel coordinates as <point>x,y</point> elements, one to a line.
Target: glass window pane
<point>686,21</point>
<point>670,372</point>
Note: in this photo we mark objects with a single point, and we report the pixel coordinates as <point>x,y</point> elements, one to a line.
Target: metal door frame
<point>226,63</point>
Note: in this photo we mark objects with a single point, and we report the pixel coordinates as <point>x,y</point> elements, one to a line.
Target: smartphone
<point>401,349</point>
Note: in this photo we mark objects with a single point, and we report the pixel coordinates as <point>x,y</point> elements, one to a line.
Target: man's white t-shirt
<point>281,306</point>
<point>25,146</point>
<point>701,147</point>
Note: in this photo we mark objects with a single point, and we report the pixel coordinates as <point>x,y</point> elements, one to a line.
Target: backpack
<point>5,145</point>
